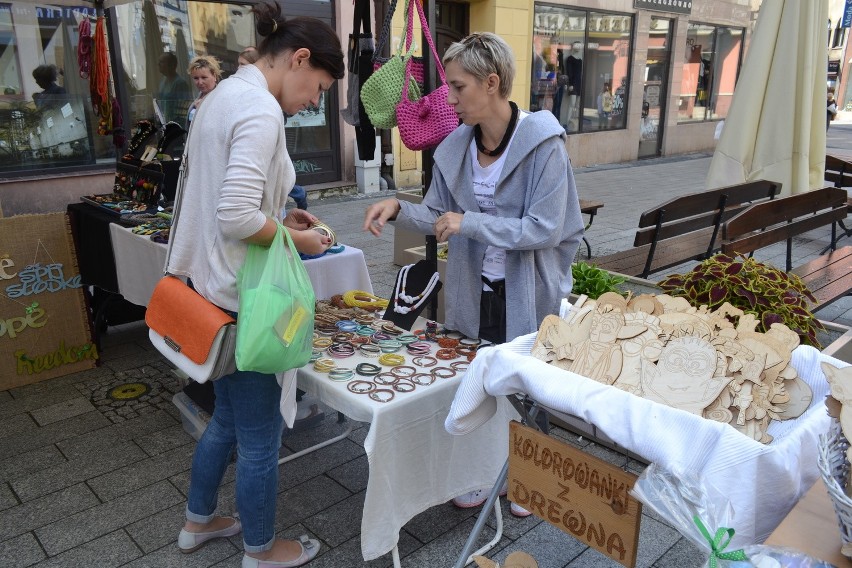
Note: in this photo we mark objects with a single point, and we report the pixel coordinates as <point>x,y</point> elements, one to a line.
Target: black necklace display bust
<point>416,286</point>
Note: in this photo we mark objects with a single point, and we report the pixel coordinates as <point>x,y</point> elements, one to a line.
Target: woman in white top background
<point>206,73</point>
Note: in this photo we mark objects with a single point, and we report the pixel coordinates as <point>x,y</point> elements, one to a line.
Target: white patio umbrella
<point>775,128</point>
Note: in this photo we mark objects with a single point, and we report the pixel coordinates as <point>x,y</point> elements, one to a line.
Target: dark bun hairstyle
<point>281,34</point>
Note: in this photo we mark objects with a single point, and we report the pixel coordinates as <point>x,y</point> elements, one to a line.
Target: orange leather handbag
<point>194,335</point>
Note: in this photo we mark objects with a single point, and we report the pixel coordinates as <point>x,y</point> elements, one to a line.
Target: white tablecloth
<point>762,481</point>
<point>414,463</point>
<point>139,265</point>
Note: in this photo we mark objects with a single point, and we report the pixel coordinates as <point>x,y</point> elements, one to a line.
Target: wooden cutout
<point>647,345</point>
<point>800,397</point>
<point>614,300</point>
<point>684,377</point>
<point>647,303</point>
<point>840,381</point>
<point>599,357</point>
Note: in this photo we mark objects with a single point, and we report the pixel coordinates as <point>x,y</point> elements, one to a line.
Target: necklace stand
<point>408,300</point>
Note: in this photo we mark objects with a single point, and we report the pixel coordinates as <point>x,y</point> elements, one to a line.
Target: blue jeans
<point>246,417</point>
<point>300,196</point>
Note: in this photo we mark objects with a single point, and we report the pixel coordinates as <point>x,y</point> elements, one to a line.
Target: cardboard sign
<point>44,325</point>
<point>578,493</point>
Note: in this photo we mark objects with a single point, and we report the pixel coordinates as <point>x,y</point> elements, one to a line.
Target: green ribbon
<point>31,308</point>
<point>717,546</point>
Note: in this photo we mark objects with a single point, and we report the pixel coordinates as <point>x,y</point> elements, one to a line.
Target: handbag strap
<point>424,24</point>
<point>181,182</point>
<point>383,37</point>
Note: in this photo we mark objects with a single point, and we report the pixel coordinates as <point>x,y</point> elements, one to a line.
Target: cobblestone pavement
<point>94,466</point>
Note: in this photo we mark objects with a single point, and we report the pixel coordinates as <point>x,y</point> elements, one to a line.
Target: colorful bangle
<point>359,340</point>
<point>364,319</point>
<point>469,342</point>
<point>404,385</point>
<point>425,361</point>
<point>341,350</point>
<point>341,336</point>
<point>341,374</point>
<point>322,343</point>
<point>361,299</point>
<point>369,350</point>
<point>385,379</point>
<point>347,325</point>
<point>446,354</point>
<point>453,335</point>
<point>406,338</point>
<point>447,342</point>
<point>403,371</point>
<point>379,336</point>
<point>365,331</point>
<point>324,365</point>
<point>465,351</point>
<point>367,369</point>
<point>422,379</point>
<point>443,372</point>
<point>391,359</point>
<point>418,348</point>
<point>315,354</point>
<point>391,329</point>
<point>361,387</point>
<point>460,366</point>
<point>389,345</point>
<point>374,394</point>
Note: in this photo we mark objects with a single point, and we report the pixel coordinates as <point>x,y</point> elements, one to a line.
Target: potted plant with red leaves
<point>772,295</point>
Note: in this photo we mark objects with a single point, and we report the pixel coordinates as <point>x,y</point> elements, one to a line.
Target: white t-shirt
<point>484,182</point>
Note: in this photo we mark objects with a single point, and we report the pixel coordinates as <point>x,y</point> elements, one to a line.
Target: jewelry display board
<point>44,327</point>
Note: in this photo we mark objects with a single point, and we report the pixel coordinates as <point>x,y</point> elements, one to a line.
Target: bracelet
<point>361,299</point>
<point>447,342</point>
<point>391,329</point>
<point>389,345</point>
<point>406,338</point>
<point>379,336</point>
<point>365,331</point>
<point>404,385</point>
<point>364,319</point>
<point>315,354</point>
<point>341,336</point>
<point>341,350</point>
<point>468,342</point>
<point>325,330</point>
<point>422,379</point>
<point>322,342</point>
<point>369,350</point>
<point>453,335</point>
<point>361,387</point>
<point>374,394</point>
<point>446,354</point>
<point>392,359</point>
<point>403,371</point>
<point>385,379</point>
<point>418,348</point>
<point>443,372</point>
<point>460,366</point>
<point>347,325</point>
<point>465,351</point>
<point>324,365</point>
<point>359,340</point>
<point>425,361</point>
<point>367,369</point>
<point>341,374</point>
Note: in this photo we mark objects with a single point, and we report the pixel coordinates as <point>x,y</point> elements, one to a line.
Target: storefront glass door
<point>656,86</point>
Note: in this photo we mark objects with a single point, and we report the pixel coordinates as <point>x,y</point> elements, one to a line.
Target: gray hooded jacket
<point>538,222</point>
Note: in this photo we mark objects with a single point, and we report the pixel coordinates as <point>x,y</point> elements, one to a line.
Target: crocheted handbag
<point>378,60</point>
<point>382,92</point>
<point>425,121</point>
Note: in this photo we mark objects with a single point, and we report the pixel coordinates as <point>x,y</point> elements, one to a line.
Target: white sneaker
<point>476,498</point>
<point>519,511</point>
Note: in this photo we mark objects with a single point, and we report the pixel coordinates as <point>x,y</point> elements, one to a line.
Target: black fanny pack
<point>498,286</point>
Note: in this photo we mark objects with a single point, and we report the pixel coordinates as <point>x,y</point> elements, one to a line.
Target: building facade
<point>627,79</point>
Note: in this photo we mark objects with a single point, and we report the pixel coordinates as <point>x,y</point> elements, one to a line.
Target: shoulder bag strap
<point>424,24</point>
<point>184,163</point>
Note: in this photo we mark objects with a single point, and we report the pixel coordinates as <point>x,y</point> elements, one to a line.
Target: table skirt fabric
<point>763,481</point>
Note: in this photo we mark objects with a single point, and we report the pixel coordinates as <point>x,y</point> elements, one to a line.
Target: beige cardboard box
<point>413,255</point>
<point>403,239</point>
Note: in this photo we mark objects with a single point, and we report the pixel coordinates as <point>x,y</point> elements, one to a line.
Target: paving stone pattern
<point>94,466</point>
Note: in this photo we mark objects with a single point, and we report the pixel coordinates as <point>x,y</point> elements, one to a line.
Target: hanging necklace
<point>477,134</point>
<point>419,298</point>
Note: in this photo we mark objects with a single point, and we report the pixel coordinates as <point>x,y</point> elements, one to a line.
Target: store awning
<point>775,128</point>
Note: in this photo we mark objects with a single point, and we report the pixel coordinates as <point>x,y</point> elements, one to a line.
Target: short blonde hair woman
<point>205,72</point>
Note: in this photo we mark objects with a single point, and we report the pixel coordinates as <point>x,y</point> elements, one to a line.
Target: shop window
<point>580,67</point>
<point>710,67</point>
<point>157,40</point>
<point>46,118</point>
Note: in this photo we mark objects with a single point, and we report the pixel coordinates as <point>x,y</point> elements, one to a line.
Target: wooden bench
<point>685,228</point>
<point>829,276</point>
<point>838,172</point>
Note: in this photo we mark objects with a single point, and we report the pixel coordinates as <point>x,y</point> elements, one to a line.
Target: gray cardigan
<point>538,222</point>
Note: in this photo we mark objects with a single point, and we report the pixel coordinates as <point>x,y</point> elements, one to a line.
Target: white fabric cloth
<point>139,266</point>
<point>762,481</point>
<point>414,463</point>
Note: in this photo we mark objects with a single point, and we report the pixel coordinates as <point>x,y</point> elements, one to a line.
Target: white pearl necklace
<point>420,298</point>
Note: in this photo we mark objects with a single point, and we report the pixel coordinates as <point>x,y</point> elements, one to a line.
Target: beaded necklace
<point>477,134</point>
<point>419,298</point>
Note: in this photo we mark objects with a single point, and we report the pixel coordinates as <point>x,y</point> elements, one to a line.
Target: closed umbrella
<point>775,128</point>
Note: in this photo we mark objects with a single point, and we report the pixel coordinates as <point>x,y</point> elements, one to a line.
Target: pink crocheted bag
<point>426,121</point>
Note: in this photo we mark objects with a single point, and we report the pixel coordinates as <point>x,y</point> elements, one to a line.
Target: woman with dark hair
<point>237,179</point>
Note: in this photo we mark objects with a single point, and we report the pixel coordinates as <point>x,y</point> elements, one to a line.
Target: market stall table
<point>414,463</point>
<point>139,265</point>
<point>764,481</point>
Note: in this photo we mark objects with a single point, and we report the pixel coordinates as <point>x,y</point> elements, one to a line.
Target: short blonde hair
<point>482,54</point>
<point>206,62</point>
